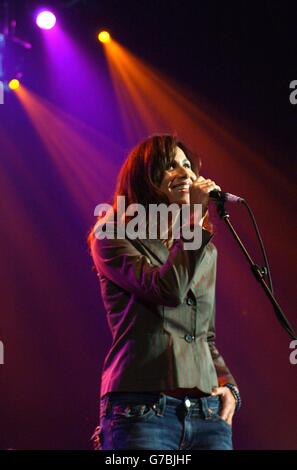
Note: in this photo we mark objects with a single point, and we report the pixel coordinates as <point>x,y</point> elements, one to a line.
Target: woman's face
<point>178,179</point>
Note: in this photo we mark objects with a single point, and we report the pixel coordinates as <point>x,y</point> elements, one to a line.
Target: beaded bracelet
<point>236,395</point>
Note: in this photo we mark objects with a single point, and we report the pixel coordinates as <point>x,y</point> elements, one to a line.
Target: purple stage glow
<point>46,20</point>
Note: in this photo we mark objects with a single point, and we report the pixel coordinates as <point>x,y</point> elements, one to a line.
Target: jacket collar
<point>156,248</point>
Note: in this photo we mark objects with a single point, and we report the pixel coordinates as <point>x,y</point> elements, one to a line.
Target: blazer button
<point>190,301</point>
<point>189,338</point>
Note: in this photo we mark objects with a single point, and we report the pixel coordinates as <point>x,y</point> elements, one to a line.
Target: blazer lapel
<point>156,248</point>
<point>159,252</point>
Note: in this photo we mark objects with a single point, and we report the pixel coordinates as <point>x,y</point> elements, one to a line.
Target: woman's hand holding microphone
<point>199,194</point>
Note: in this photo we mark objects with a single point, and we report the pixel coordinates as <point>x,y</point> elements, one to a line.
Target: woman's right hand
<point>199,192</point>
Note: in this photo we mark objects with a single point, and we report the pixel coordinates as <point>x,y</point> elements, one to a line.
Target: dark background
<point>241,57</point>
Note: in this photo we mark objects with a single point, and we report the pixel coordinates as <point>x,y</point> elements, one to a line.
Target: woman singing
<point>164,383</point>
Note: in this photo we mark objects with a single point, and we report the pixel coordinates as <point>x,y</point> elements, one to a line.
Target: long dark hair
<point>142,172</point>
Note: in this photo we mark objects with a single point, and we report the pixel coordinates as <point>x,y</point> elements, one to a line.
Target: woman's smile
<point>178,179</point>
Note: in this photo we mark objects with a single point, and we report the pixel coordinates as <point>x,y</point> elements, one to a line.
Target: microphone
<point>220,196</point>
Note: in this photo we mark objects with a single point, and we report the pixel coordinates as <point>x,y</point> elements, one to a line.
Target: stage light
<point>14,84</point>
<point>104,36</point>
<point>46,20</point>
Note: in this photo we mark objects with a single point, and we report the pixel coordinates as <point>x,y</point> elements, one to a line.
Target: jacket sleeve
<point>119,261</point>
<point>223,373</point>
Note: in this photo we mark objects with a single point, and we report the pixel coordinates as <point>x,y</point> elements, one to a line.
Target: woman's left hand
<point>228,403</point>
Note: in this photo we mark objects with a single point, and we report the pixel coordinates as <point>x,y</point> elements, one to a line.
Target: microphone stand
<point>257,271</point>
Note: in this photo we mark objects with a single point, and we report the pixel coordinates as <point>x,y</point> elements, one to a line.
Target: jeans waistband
<point>159,400</point>
<point>155,396</point>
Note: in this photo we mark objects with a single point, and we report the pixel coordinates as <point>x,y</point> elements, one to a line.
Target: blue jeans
<point>160,422</point>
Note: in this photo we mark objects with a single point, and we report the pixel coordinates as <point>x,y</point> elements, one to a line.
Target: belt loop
<point>204,407</point>
<point>161,406</point>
